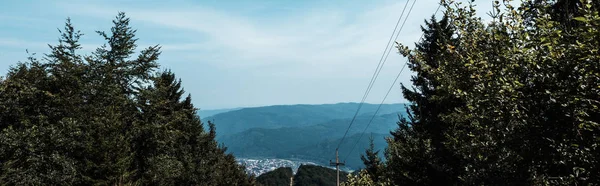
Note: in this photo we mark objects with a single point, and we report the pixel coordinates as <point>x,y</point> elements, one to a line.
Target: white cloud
<point>328,49</point>
<point>327,38</point>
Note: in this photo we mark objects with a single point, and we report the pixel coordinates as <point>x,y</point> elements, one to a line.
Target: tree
<point>372,162</point>
<point>317,175</point>
<point>425,132</point>
<point>363,179</point>
<point>105,119</point>
<point>279,176</point>
<point>518,99</point>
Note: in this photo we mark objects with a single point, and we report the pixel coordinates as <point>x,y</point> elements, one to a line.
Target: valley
<point>290,135</point>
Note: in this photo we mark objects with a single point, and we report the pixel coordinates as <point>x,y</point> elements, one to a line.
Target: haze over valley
<point>304,132</point>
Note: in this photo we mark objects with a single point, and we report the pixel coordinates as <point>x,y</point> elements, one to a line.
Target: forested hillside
<point>279,116</point>
<point>208,113</point>
<point>513,100</point>
<point>325,150</point>
<point>311,175</point>
<point>105,118</point>
<point>314,142</point>
<point>279,176</point>
<point>307,175</point>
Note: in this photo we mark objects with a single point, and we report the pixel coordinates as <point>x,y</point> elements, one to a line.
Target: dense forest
<point>307,175</point>
<point>279,176</point>
<point>514,100</point>
<point>106,118</point>
<point>312,175</point>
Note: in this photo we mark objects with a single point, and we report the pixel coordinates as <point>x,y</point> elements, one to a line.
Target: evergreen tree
<point>363,179</point>
<point>514,101</point>
<point>105,119</point>
<point>424,133</point>
<point>311,175</point>
<point>372,162</point>
<point>279,176</point>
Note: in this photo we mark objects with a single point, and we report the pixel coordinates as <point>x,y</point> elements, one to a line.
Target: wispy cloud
<point>265,53</point>
<point>325,38</point>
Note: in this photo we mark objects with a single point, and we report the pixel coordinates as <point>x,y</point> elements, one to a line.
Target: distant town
<point>260,166</point>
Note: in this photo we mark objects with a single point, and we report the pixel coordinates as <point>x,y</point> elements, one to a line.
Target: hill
<point>278,116</point>
<point>305,132</point>
<point>307,175</point>
<point>207,113</point>
<point>311,175</point>
<point>277,177</point>
<point>325,150</point>
<point>313,143</point>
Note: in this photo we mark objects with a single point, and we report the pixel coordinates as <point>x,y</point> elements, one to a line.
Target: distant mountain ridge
<point>297,142</point>
<point>309,132</point>
<point>211,112</point>
<point>277,116</point>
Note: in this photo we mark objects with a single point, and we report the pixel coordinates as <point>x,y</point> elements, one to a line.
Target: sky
<point>242,53</point>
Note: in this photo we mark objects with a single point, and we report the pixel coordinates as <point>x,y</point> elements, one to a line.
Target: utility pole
<point>337,165</point>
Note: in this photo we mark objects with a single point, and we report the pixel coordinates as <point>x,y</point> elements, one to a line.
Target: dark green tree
<point>372,162</point>
<point>523,114</point>
<point>105,119</point>
<point>313,175</point>
<point>513,101</point>
<point>279,176</point>
<point>424,133</point>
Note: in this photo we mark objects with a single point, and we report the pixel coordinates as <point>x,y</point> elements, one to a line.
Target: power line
<point>375,74</point>
<point>398,34</point>
<point>388,92</point>
<point>382,60</point>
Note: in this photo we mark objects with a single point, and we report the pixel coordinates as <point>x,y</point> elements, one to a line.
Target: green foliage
<point>510,102</point>
<point>416,153</point>
<point>279,176</point>
<point>105,119</point>
<point>312,175</point>
<point>364,179</point>
<point>373,164</point>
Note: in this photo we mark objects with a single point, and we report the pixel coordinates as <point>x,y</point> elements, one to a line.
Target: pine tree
<point>425,131</point>
<point>514,101</point>
<point>279,176</point>
<point>372,162</point>
<point>105,119</point>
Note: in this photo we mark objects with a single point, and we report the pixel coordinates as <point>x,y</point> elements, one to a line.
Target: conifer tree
<point>372,162</point>
<point>424,133</point>
<point>105,119</point>
<point>526,92</point>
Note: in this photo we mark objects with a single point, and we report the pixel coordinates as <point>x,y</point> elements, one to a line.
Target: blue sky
<point>240,53</point>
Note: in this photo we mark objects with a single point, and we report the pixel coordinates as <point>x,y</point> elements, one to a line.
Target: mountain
<point>295,142</point>
<point>208,113</point>
<point>304,132</point>
<point>278,116</point>
<point>325,150</point>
